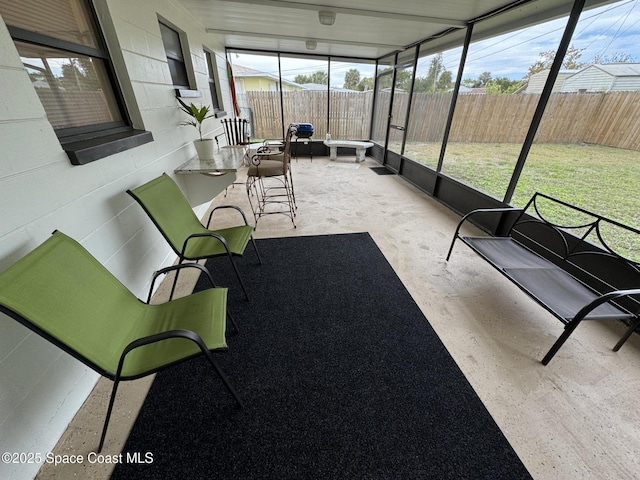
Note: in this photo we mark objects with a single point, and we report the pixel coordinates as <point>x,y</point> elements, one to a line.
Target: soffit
<point>363,28</point>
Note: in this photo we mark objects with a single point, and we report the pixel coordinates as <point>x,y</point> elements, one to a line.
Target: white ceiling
<point>363,28</point>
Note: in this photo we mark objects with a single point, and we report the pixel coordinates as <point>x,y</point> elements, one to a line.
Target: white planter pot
<point>204,148</point>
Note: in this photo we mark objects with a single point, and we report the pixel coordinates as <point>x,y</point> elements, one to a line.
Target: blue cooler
<point>304,130</point>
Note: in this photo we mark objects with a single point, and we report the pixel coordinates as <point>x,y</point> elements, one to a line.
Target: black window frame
<point>175,56</point>
<point>88,143</point>
<point>213,84</point>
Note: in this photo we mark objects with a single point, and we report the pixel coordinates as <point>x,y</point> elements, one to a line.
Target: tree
<point>403,80</point>
<point>352,79</point>
<point>545,59</point>
<point>571,60</point>
<point>435,67</point>
<point>614,58</point>
<point>469,82</point>
<point>73,75</point>
<point>483,79</point>
<point>503,85</point>
<point>437,79</point>
<point>445,82</point>
<point>319,77</point>
<point>365,84</point>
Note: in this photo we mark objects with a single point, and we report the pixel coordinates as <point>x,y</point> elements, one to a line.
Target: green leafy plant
<point>198,115</point>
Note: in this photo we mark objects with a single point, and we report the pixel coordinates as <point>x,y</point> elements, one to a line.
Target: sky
<point>606,31</point>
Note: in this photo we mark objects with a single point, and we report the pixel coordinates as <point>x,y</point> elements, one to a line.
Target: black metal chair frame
<point>117,376</point>
<point>236,132</point>
<point>281,193</point>
<point>182,257</point>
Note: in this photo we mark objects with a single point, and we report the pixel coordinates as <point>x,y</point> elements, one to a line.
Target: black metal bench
<point>560,255</point>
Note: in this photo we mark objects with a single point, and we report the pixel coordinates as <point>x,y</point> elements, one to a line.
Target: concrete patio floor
<point>575,418</point>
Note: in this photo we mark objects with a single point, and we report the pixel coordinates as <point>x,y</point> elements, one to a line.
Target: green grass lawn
<point>602,179</point>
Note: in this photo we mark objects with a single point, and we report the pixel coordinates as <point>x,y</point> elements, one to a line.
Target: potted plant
<point>204,146</point>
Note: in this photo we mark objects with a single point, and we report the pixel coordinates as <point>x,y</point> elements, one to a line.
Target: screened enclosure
<point>478,116</point>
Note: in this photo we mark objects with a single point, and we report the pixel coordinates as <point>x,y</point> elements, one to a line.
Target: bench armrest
<point>584,311</point>
<point>475,212</point>
<point>602,299</point>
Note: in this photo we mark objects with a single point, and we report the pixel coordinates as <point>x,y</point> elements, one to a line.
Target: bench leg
<point>568,330</point>
<point>333,153</point>
<point>627,334</point>
<point>360,154</point>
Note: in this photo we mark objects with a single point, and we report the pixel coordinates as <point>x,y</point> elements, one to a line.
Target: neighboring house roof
<point>619,69</point>
<point>612,77</point>
<point>608,74</point>
<point>473,91</point>
<point>240,71</point>
<point>237,69</point>
<point>536,82</point>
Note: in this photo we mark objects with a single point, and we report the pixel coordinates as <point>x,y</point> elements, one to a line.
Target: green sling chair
<point>65,295</point>
<point>170,211</point>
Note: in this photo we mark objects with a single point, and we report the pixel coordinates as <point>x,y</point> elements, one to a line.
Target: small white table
<point>224,160</point>
<point>213,178</point>
<point>361,148</point>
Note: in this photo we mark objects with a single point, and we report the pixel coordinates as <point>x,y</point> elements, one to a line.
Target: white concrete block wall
<point>41,388</point>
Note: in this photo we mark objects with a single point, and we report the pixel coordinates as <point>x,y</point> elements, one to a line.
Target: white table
<point>360,147</point>
<point>213,178</point>
<point>224,160</point>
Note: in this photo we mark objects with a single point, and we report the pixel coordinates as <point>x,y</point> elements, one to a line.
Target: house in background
<point>596,78</point>
<point>250,80</point>
<point>536,82</point>
<point>614,77</point>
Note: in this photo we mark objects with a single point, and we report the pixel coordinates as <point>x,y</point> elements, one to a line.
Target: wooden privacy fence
<point>610,119</point>
<point>349,118</point>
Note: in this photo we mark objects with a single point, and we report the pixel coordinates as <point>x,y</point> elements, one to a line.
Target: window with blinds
<point>62,50</point>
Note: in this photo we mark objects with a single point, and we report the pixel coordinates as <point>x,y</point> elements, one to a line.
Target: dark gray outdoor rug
<point>341,375</point>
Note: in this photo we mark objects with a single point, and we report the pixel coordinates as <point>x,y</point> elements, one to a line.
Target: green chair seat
<point>237,239</point>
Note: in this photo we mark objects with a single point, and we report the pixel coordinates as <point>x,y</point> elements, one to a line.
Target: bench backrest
<point>597,250</point>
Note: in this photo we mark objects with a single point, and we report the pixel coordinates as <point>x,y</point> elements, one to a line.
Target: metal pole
<point>408,115</point>
<point>390,112</point>
<point>372,109</point>
<point>281,96</point>
<point>328,94</point>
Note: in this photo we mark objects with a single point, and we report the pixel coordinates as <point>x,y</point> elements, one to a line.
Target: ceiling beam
<point>219,31</point>
<point>355,11</point>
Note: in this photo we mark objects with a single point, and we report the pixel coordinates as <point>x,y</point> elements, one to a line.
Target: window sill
<point>89,150</point>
